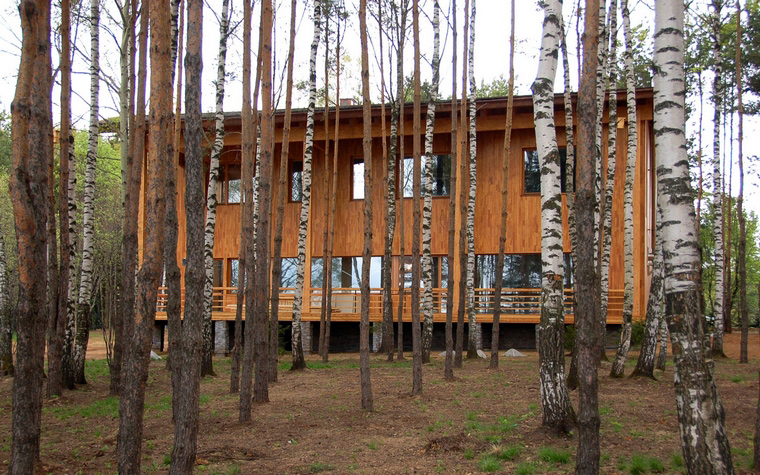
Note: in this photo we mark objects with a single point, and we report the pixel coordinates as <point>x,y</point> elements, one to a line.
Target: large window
<point>532,167</point>
<point>289,271</point>
<point>228,184</point>
<point>296,181</point>
<point>441,176</point>
<point>440,271</point>
<point>347,272</point>
<point>521,271</point>
<point>357,179</point>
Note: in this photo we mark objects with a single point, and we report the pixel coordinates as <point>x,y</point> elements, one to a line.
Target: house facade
<point>522,270</point>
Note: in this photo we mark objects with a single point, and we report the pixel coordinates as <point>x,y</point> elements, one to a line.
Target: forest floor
<point>485,421</point>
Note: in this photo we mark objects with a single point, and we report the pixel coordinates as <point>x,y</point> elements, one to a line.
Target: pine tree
<point>416,179</point>
<point>6,333</point>
<point>742,254</point>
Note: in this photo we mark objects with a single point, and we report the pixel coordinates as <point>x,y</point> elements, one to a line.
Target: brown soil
<point>314,424</point>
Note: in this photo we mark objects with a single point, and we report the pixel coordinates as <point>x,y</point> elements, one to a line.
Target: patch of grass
<point>525,468</point>
<point>96,369</point>
<point>616,426</point>
<point>506,424</point>
<point>641,464</point>
<point>319,365</point>
<point>372,444</point>
<point>737,379</point>
<point>489,463</point>
<point>605,410</point>
<point>205,398</point>
<point>509,453</point>
<point>532,407</point>
<point>106,407</point>
<point>472,416</point>
<point>163,404</point>
<point>552,455</point>
<point>468,454</point>
<point>317,467</point>
<point>676,461</point>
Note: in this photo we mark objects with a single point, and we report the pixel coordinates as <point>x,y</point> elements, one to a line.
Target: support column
<point>377,336</point>
<point>158,336</point>
<point>221,338</point>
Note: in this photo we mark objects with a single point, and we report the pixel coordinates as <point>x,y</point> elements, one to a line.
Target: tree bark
<point>662,355</point>
<point>474,336</point>
<point>448,369</point>
<point>137,351</point>
<point>188,361</point>
<point>558,414</point>
<point>494,363</point>
<point>587,321</point>
<point>427,210</point>
<point>296,337</point>
<point>6,332</point>
<point>700,412</point>
<point>32,140</point>
<point>88,212</point>
<point>364,375</point>
<point>326,186</point>
<point>742,254</point>
<point>401,28</point>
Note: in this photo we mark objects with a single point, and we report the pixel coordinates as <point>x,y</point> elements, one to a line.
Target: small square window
<point>441,176</point>
<point>532,167</point>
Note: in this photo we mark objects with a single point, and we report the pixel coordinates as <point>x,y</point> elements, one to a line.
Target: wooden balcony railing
<point>347,301</point>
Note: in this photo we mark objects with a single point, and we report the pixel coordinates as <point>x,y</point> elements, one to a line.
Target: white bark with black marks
<point>474,336</point>
<point>701,417</point>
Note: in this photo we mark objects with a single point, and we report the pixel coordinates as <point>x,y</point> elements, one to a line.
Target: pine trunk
<point>587,321</point>
<point>187,358</point>
<point>494,363</point>
<point>326,186</point>
<point>742,254</point>
<point>448,369</point>
<point>6,331</point>
<point>427,211</point>
<point>364,375</point>
<point>88,212</point>
<point>700,412</point>
<point>402,157</point>
<point>32,137</point>
<point>416,180</point>
<point>296,336</point>
<point>123,328</point>
<point>58,325</point>
<point>137,351</point>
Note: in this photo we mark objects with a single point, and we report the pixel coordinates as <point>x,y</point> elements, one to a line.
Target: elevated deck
<point>517,305</point>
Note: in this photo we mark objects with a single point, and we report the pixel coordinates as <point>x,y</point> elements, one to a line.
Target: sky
<point>491,57</point>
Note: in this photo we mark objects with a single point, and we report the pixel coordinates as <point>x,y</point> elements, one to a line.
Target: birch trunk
<point>558,413</point>
<point>602,85</point>
<point>6,332</point>
<point>364,375</point>
<point>448,369</point>
<point>504,196</point>
<point>31,142</point>
<point>296,338</point>
<point>475,340</point>
<point>402,156</point>
<point>701,417</point>
<point>207,367</point>
<point>427,210</point>
<point>718,257</point>
<point>88,211</point>
<point>742,254</point>
<point>646,362</point>
<point>137,350</point>
<point>662,355</point>
<point>188,361</point>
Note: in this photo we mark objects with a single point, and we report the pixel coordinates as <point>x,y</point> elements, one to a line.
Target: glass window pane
<point>441,175</point>
<point>234,272</point>
<point>357,179</point>
<point>408,179</point>
<point>221,196</point>
<point>289,272</point>
<point>296,181</point>
<point>532,172</point>
<point>233,184</point>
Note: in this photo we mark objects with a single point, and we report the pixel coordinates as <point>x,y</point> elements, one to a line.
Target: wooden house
<point>523,245</point>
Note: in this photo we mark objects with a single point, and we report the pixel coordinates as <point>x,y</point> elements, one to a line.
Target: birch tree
<point>717,99</point>
<point>364,374</point>
<point>494,363</point>
<point>427,210</point>
<point>137,350</point>
<point>31,136</point>
<point>296,338</point>
<point>742,254</point>
<point>555,400</point>
<point>701,417</point>
<point>207,367</point>
<point>474,336</point>
<point>88,208</point>
<point>646,362</point>
<point>186,388</point>
<point>401,25</point>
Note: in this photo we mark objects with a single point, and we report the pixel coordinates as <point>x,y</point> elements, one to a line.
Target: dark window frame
<point>438,176</point>
<point>354,162</point>
<point>295,166</point>
<point>562,164</point>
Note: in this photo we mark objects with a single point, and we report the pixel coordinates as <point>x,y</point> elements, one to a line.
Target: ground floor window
<point>521,271</point>
<point>440,271</point>
<point>347,272</point>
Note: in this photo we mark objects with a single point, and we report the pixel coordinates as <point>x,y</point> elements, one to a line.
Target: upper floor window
<point>441,176</point>
<point>357,179</point>
<point>296,181</point>
<point>533,171</point>
<point>228,185</point>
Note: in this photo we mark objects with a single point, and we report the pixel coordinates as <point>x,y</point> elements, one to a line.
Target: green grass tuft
<point>317,467</point>
<point>525,468</point>
<point>489,463</point>
<point>509,453</point>
<point>552,455</point>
